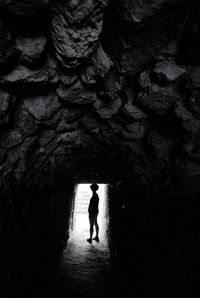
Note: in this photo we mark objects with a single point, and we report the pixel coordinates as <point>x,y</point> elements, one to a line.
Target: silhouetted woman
<point>93,210</point>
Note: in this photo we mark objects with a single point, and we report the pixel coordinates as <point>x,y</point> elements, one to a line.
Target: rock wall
<point>96,86</point>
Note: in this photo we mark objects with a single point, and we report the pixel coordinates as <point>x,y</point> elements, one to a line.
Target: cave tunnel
<point>104,92</point>
<point>147,249</point>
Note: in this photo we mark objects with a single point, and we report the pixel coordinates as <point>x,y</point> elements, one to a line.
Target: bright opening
<point>79,217</point>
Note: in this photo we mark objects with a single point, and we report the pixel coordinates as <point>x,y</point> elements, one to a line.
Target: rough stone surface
<point>41,107</point>
<point>7,50</point>
<point>6,103</point>
<point>31,49</point>
<point>137,11</point>
<point>21,74</point>
<point>77,94</point>
<point>168,71</point>
<point>133,112</point>
<point>104,90</point>
<point>75,30</point>
<point>24,7</point>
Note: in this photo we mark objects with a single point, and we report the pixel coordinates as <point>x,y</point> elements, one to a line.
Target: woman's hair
<point>94,187</point>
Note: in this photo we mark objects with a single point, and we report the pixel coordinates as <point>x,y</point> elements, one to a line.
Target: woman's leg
<point>91,226</point>
<point>96,226</point>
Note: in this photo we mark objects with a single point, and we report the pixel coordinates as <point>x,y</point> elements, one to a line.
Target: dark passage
<point>86,270</point>
<point>107,92</point>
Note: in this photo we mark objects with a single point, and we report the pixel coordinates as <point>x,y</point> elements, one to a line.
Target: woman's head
<point>94,187</point>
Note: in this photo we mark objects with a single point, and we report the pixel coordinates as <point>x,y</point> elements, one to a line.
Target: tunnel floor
<point>86,270</point>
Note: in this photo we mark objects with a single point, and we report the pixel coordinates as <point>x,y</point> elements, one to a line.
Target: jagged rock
<point>136,11</point>
<point>111,86</point>
<point>144,80</point>
<point>69,119</point>
<point>70,138</point>
<point>6,103</point>
<point>159,99</point>
<point>106,109</point>
<point>195,102</point>
<point>24,7</point>
<point>68,79</point>
<point>168,71</point>
<point>89,76</point>
<point>147,37</point>
<point>7,49</point>
<point>171,50</point>
<point>42,107</point>
<point>161,148</point>
<point>192,148</point>
<point>193,127</point>
<point>21,74</point>
<point>187,167</point>
<point>24,122</point>
<point>63,126</point>
<point>101,62</point>
<point>75,30</point>
<point>76,94</point>
<point>46,137</point>
<point>193,77</point>
<point>183,113</point>
<point>134,131</point>
<point>133,112</point>
<point>31,48</point>
<point>71,115</point>
<point>114,126</point>
<point>10,139</point>
<point>89,122</point>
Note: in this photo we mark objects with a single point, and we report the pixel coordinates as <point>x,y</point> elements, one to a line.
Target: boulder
<point>42,107</point>
<point>76,94</point>
<point>24,122</point>
<point>21,74</point>
<point>67,78</point>
<point>10,139</point>
<point>183,113</point>
<point>101,61</point>
<point>159,99</point>
<point>75,30</point>
<point>133,112</point>
<point>133,131</point>
<point>90,122</point>
<point>31,48</point>
<point>193,77</point>
<point>144,80</point>
<point>46,137</point>
<point>168,71</point>
<point>6,103</point>
<point>194,102</point>
<point>106,109</point>
<point>110,86</point>
<point>157,102</point>
<point>89,76</point>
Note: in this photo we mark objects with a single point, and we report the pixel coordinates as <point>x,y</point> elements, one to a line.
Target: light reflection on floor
<point>85,269</point>
<point>88,265</point>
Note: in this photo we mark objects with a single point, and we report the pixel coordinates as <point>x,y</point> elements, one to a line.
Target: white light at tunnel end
<point>80,217</point>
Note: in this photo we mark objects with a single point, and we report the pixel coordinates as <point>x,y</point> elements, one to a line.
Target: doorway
<point>87,267</point>
<point>79,222</point>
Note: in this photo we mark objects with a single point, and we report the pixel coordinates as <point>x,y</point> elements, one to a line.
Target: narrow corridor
<point>85,269</point>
